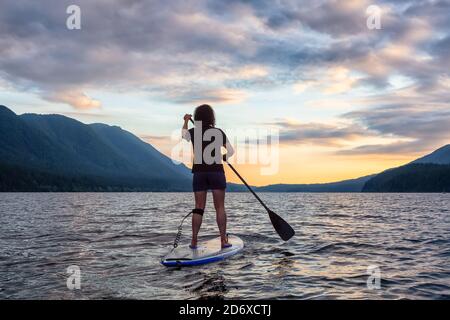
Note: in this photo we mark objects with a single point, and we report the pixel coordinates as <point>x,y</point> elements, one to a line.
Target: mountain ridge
<point>348,185</point>
<point>430,173</point>
<point>439,156</point>
<point>62,148</point>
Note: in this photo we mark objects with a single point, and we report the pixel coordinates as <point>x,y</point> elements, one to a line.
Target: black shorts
<point>204,181</point>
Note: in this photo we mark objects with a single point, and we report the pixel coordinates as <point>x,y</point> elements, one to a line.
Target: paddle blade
<point>283,228</point>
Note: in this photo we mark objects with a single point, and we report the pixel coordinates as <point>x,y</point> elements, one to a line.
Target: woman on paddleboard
<point>207,141</point>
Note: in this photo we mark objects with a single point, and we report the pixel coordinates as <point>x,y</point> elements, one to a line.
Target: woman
<point>207,141</point>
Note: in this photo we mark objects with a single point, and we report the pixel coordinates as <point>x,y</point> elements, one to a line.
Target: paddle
<point>283,228</point>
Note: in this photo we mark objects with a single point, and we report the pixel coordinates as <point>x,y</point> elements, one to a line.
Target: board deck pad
<point>207,251</point>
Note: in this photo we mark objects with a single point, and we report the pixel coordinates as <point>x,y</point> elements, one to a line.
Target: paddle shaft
<point>242,179</point>
<point>249,188</point>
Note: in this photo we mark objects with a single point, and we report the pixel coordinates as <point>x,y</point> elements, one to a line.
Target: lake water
<point>116,239</point>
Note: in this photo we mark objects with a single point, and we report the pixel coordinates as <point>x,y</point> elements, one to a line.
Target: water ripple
<point>117,240</point>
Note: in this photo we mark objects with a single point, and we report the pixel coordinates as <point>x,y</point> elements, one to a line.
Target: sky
<point>346,100</point>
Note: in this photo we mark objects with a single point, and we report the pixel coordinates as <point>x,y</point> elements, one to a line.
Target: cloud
<point>419,127</point>
<point>197,28</point>
<point>76,99</point>
<point>399,147</point>
<point>140,46</point>
<point>192,52</point>
<point>402,129</point>
<point>302,86</point>
<point>328,104</point>
<point>338,81</point>
<point>199,96</point>
<point>405,120</point>
<point>332,135</point>
<point>342,17</point>
<point>141,42</point>
<point>251,72</point>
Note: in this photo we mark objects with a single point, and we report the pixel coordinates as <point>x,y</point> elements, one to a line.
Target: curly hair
<point>205,114</point>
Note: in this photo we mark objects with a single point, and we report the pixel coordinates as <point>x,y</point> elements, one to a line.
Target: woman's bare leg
<point>200,202</point>
<point>219,204</point>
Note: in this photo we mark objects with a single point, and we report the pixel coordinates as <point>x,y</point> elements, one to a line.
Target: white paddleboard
<point>207,251</point>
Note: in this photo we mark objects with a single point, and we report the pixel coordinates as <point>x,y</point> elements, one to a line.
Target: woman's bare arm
<point>230,150</point>
<point>184,129</point>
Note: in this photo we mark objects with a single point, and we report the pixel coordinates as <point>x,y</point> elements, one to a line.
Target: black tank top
<point>212,139</point>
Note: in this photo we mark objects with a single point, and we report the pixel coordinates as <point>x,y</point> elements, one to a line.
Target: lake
<point>117,239</point>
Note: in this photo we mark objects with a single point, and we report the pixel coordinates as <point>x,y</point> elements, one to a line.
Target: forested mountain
<point>54,152</point>
<point>414,177</point>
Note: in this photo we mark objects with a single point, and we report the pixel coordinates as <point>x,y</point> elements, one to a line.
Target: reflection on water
<point>211,285</point>
<point>117,240</point>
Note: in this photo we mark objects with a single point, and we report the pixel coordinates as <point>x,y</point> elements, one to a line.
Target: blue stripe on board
<point>179,263</point>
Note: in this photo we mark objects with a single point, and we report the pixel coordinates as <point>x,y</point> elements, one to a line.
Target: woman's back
<point>207,144</point>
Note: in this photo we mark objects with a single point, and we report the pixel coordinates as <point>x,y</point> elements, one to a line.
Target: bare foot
<point>225,243</point>
<point>193,243</point>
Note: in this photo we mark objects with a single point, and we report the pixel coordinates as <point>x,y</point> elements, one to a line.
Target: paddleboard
<point>207,251</point>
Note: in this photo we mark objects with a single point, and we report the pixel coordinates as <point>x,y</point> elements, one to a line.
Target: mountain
<point>352,185</point>
<point>54,152</point>
<point>414,177</point>
<point>440,156</point>
<point>430,173</point>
